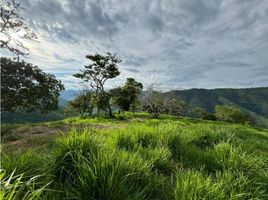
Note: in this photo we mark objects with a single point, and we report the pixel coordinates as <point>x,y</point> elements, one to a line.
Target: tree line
<point>25,87</point>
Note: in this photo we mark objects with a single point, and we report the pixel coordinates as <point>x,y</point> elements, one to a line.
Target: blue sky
<point>175,44</point>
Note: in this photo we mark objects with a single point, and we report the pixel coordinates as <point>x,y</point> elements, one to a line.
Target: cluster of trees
<point>26,87</point>
<point>128,97</point>
<point>226,113</point>
<point>95,75</point>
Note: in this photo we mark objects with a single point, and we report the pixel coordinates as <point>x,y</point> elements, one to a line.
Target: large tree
<point>101,68</point>
<point>126,97</point>
<point>134,89</point>
<point>154,102</point>
<point>14,32</point>
<point>26,87</point>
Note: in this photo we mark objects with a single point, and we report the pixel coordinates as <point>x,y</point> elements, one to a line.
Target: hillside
<point>136,157</point>
<point>254,101</point>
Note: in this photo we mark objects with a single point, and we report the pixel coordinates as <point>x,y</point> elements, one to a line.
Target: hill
<point>253,101</point>
<point>135,157</point>
<point>67,95</point>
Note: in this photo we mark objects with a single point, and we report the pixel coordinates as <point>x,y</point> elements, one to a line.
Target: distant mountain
<point>67,95</point>
<point>254,101</point>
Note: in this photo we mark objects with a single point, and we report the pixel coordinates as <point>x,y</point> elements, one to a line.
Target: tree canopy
<point>126,97</point>
<point>101,68</point>
<point>24,86</point>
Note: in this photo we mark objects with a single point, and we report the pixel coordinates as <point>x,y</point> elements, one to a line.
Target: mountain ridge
<point>253,101</point>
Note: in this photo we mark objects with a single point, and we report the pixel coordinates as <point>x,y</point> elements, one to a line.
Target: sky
<point>172,43</point>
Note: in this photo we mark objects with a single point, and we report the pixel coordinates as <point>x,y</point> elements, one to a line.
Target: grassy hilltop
<point>135,157</point>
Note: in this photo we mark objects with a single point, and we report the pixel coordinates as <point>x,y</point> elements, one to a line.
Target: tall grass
<point>13,187</point>
<point>150,159</point>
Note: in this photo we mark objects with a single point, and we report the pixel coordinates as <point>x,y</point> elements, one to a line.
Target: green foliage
<point>252,101</point>
<point>126,97</point>
<point>102,101</point>
<point>24,86</point>
<point>83,104</point>
<point>120,97</point>
<point>97,73</point>
<point>230,113</point>
<point>100,70</point>
<point>198,112</point>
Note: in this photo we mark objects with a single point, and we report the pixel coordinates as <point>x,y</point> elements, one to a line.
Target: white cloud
<point>177,43</point>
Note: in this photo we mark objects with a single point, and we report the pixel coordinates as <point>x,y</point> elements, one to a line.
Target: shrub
<point>229,113</point>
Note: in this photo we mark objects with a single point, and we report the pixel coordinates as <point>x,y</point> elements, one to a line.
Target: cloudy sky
<point>172,43</point>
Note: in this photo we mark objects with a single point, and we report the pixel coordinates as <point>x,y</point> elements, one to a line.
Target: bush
<point>229,113</point>
<point>201,113</point>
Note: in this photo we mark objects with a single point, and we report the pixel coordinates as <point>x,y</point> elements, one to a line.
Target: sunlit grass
<point>136,157</point>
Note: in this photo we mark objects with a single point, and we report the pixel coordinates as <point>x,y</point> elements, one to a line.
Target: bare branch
<point>13,30</point>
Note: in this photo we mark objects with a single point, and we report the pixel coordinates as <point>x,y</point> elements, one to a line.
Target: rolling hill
<point>253,101</point>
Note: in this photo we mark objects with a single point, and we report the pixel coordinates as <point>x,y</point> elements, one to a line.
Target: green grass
<point>136,157</point>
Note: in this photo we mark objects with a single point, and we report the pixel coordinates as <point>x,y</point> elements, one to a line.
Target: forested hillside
<point>254,101</point>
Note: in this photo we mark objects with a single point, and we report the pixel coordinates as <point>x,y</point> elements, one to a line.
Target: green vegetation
<point>132,156</point>
<point>26,87</point>
<point>126,97</point>
<point>126,156</point>
<point>82,104</point>
<point>101,69</point>
<point>230,113</point>
<point>252,101</point>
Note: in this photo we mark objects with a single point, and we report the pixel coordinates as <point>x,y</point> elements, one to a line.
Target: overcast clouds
<point>175,43</point>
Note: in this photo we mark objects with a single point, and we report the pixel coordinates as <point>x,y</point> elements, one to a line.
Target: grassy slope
<point>135,157</point>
